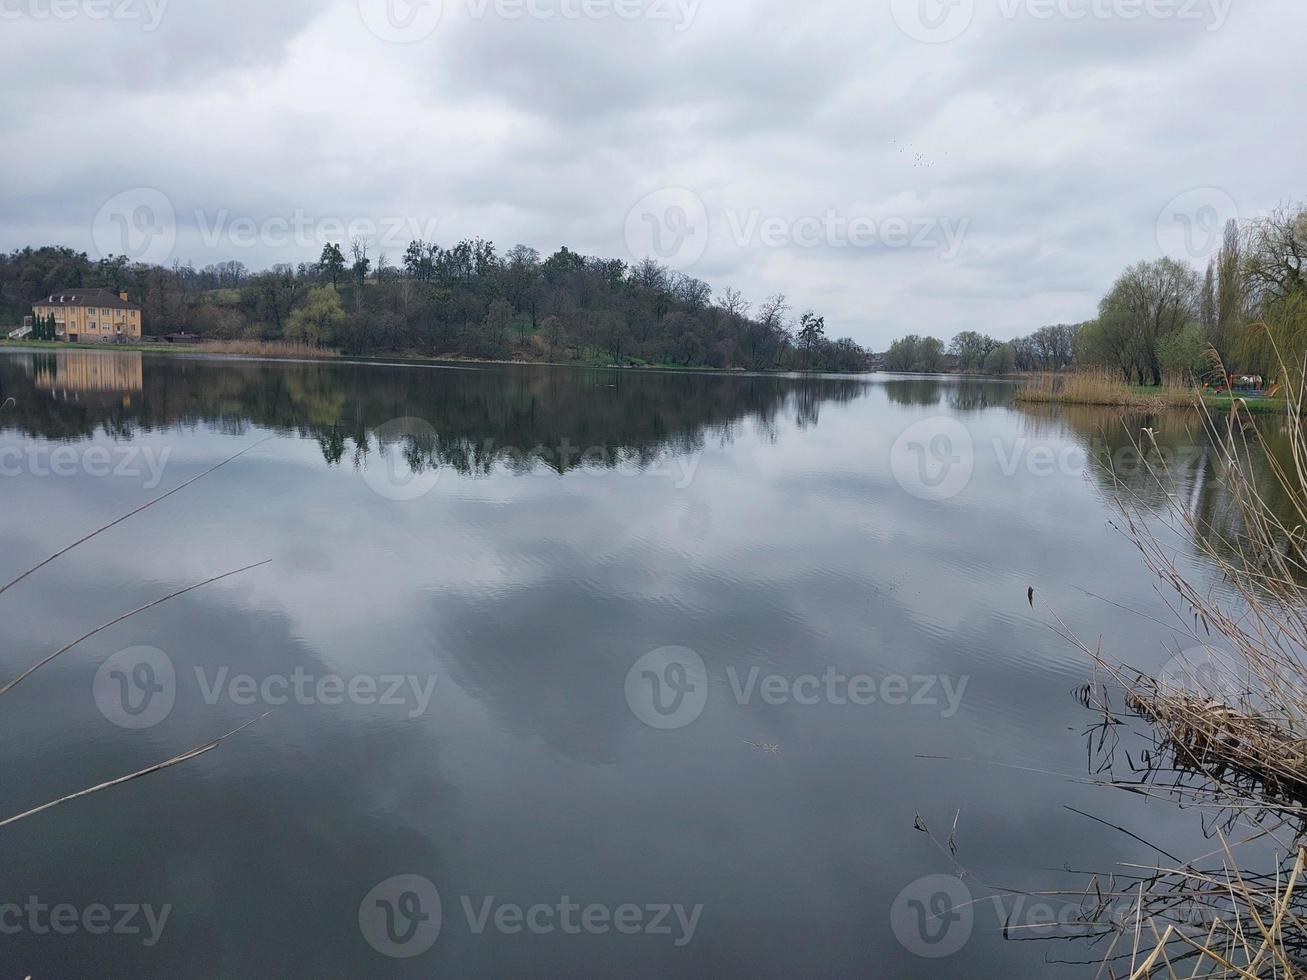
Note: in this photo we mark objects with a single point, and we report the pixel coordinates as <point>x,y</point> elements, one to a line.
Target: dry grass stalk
<point>118,520</point>
<point>1098,386</point>
<point>1236,748</point>
<point>167,763</point>
<point>118,619</point>
<point>266,348</point>
<point>147,771</point>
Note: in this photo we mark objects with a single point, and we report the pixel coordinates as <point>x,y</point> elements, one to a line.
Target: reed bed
<point>1225,724</point>
<point>266,348</point>
<point>1095,386</point>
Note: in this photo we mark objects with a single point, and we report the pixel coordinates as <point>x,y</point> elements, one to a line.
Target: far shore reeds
<point>1092,386</point>
<point>279,349</point>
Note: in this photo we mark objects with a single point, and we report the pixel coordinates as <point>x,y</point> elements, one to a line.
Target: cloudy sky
<point>897,165</point>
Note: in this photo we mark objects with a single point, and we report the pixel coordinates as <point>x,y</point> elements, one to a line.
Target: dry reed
<point>175,760</point>
<point>266,348</point>
<point>1098,386</point>
<point>1227,736</point>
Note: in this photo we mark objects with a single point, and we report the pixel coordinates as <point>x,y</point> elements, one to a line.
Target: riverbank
<point>281,351</point>
<point>277,350</point>
<point>1225,718</point>
<point>1094,389</point>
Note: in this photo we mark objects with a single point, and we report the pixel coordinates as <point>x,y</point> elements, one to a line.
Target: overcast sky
<point>896,165</point>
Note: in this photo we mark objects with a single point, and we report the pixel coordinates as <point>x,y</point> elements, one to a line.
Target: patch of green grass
<point>64,345</point>
<point>1256,406</point>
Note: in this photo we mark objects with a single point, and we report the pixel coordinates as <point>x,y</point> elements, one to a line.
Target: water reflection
<point>1152,462</point>
<point>73,373</point>
<point>958,393</point>
<point>795,551</point>
<point>517,418</point>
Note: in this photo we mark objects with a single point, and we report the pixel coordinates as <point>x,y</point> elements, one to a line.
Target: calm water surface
<point>522,547</point>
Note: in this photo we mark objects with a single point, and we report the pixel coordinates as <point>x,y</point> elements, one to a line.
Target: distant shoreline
<point>267,352</point>
<point>1097,390</point>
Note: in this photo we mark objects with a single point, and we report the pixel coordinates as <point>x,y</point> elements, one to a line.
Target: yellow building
<point>91,314</point>
<point>73,374</point>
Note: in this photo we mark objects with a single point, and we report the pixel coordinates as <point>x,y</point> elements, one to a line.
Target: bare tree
<point>733,303</point>
<point>358,249</point>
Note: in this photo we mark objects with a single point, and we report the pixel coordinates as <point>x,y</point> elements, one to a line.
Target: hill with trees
<point>465,301</point>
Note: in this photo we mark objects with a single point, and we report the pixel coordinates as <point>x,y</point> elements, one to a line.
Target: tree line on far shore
<point>1047,349</point>
<point>465,301</point>
<point>1163,321</point>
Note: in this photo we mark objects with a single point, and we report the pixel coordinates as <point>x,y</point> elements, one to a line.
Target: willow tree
<point>1148,302</point>
<point>1274,276</point>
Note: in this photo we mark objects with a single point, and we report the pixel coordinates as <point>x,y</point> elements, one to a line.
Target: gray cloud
<point>1058,141</point>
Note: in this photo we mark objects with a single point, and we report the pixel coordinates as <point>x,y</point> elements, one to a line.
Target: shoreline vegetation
<point>465,302</point>
<point>1224,723</point>
<point>1166,335</point>
<point>274,350</point>
<point>1220,729</point>
<point>1096,387</point>
<point>1089,387</point>
<point>1086,388</point>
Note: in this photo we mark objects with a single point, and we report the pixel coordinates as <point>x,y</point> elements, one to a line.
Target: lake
<point>570,672</point>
